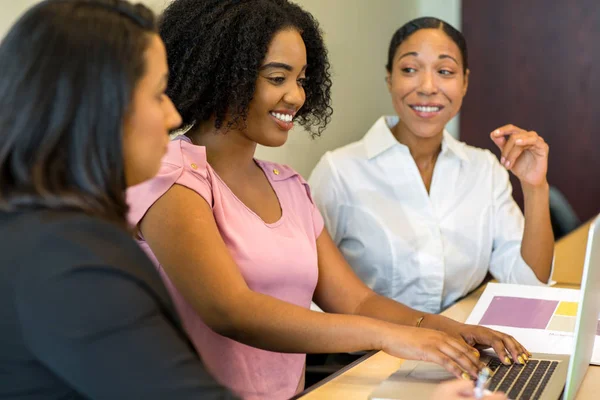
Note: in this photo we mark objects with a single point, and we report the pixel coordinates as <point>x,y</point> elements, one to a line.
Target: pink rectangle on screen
<point>519,312</point>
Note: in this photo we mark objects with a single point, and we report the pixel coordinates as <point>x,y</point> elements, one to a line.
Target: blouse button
<point>276,171</point>
<point>194,166</point>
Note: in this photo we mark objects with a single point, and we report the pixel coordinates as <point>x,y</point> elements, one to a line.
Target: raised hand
<point>524,153</point>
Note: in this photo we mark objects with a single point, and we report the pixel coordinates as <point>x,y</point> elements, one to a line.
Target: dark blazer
<point>84,314</point>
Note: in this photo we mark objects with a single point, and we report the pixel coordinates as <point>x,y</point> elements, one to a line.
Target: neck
<point>229,152</point>
<point>423,150</point>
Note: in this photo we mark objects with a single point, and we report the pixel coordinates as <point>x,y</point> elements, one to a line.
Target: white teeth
<point>282,117</point>
<point>426,109</point>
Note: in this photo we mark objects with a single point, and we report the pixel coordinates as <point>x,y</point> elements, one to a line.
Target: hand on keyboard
<point>505,345</point>
<point>434,346</point>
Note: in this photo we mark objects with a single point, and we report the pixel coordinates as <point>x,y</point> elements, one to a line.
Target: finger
<point>516,350</point>
<point>532,141</point>
<point>520,348</point>
<point>503,345</point>
<point>461,358</point>
<point>500,135</point>
<point>540,147</point>
<point>514,142</point>
<point>446,362</point>
<point>498,139</point>
<point>500,349</point>
<point>512,156</point>
<point>528,141</point>
<point>508,130</point>
<point>469,351</point>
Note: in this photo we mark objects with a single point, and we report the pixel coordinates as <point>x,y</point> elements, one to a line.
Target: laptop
<point>543,377</point>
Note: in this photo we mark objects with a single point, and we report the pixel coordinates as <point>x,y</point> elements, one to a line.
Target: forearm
<point>537,246</point>
<point>385,309</point>
<point>274,325</point>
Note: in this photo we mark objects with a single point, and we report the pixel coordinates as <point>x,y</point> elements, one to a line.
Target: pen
<point>482,380</point>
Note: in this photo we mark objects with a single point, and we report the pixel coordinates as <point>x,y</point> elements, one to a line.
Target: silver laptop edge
<point>589,306</point>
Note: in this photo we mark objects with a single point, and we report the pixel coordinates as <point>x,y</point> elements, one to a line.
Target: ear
<point>388,81</point>
<point>466,83</point>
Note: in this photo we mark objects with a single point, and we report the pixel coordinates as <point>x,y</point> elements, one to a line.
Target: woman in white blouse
<point>421,217</point>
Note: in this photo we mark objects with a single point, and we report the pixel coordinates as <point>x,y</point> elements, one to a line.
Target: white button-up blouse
<point>423,250</point>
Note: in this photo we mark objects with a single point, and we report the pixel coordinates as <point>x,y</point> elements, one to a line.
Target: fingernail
<point>466,376</point>
<point>476,353</point>
<point>519,141</point>
<point>497,132</point>
<point>507,164</point>
<point>502,160</point>
<point>506,360</point>
<point>520,359</point>
<point>525,357</point>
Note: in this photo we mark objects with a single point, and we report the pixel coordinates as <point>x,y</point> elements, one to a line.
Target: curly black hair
<point>216,47</point>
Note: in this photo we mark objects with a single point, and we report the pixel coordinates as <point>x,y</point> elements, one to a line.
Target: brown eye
<point>277,80</point>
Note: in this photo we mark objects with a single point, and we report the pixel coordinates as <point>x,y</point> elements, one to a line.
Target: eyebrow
<point>410,53</point>
<point>279,65</point>
<point>441,56</point>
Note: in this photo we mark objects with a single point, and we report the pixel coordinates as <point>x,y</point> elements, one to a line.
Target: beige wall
<point>449,11</point>
<point>156,5</point>
<point>10,10</point>
<point>357,33</point>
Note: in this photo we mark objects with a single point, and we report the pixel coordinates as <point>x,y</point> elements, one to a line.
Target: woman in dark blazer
<point>83,115</point>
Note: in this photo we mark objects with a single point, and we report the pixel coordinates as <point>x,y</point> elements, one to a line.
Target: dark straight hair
<point>427,23</point>
<point>69,70</point>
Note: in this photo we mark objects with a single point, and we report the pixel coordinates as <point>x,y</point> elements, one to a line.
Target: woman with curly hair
<point>239,241</point>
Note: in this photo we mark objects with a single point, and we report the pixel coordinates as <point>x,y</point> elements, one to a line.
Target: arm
<point>526,155</point>
<point>340,291</point>
<point>181,230</point>
<point>329,197</point>
<point>104,335</point>
<point>537,248</point>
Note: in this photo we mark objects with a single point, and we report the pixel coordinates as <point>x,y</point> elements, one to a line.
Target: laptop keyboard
<point>521,382</point>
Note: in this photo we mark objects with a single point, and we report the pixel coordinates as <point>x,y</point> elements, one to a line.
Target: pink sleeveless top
<point>278,259</point>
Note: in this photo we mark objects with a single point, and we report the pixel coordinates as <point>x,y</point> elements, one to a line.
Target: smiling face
<point>427,82</point>
<point>279,92</point>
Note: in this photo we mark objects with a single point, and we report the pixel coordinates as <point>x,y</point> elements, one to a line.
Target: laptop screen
<point>587,313</point>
